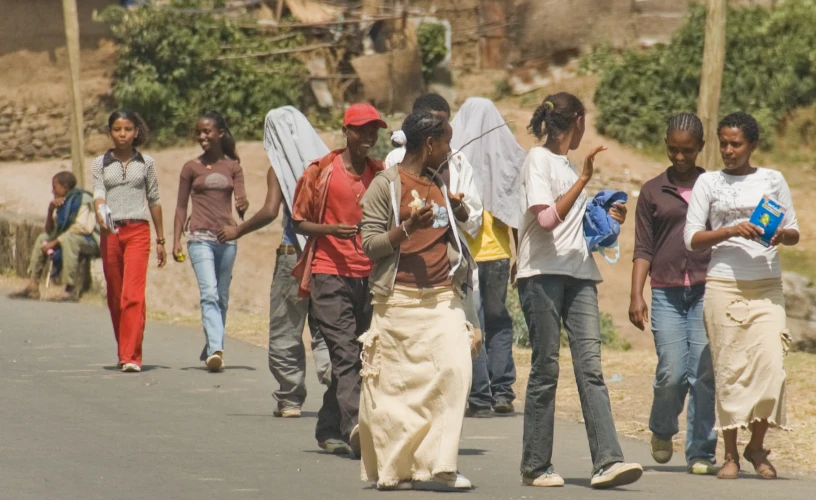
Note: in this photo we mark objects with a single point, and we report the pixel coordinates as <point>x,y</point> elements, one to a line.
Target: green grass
<point>521,337</point>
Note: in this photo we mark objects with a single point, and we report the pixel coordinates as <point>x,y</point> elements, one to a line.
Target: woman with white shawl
<point>496,159</point>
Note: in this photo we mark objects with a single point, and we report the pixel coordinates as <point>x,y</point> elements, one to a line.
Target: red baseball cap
<point>360,114</point>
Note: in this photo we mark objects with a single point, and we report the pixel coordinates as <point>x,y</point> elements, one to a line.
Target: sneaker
<point>215,363</point>
<point>478,413</point>
<point>661,450</point>
<point>453,480</point>
<point>503,407</point>
<point>335,446</point>
<point>617,474</point>
<point>702,468</point>
<point>401,486</point>
<point>354,441</point>
<point>131,368</point>
<point>548,479</point>
<point>287,412</point>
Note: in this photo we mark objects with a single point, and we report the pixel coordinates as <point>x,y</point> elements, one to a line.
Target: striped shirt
<point>125,190</point>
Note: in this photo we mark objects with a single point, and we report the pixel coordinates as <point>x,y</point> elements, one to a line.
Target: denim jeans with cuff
<point>212,263</point>
<point>547,300</point>
<point>683,367</point>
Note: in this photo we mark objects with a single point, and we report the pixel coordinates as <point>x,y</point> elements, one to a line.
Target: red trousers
<point>124,259</point>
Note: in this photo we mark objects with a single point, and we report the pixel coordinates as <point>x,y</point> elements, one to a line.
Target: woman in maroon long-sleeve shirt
<point>678,284</point>
<point>210,181</point>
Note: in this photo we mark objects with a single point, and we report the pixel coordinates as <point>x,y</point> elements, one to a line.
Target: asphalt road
<point>73,427</point>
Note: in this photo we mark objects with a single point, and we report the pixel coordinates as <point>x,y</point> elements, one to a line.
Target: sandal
<point>729,470</point>
<point>759,459</point>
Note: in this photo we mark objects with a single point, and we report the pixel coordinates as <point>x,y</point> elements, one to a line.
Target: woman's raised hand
<point>589,163</point>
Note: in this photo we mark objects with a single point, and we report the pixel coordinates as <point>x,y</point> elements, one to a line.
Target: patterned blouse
<point>126,189</point>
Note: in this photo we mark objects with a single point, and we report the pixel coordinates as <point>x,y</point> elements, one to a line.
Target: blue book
<point>768,215</point>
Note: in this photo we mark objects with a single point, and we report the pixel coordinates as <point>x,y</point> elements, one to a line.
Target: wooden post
<point>708,104</point>
<point>69,10</point>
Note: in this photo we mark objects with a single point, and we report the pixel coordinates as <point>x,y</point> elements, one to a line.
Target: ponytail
<point>555,115</point>
<point>227,140</point>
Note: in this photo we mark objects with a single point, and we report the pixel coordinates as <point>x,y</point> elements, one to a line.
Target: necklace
<point>419,177</point>
<point>351,185</point>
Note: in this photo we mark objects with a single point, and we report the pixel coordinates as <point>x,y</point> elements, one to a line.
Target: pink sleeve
<point>547,216</point>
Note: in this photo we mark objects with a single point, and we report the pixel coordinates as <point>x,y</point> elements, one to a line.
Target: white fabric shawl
<point>496,158</point>
<point>291,145</point>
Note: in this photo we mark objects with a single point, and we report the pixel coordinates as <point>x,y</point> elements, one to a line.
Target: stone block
<point>28,150</point>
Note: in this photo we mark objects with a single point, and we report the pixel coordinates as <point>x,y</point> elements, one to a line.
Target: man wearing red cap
<point>333,270</point>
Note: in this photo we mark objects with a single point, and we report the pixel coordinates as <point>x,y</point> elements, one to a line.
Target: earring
<point>430,151</point>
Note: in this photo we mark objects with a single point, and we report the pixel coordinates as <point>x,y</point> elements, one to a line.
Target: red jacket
<point>311,194</point>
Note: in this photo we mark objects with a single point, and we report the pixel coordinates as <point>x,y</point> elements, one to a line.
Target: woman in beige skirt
<point>417,352</point>
<point>744,309</point>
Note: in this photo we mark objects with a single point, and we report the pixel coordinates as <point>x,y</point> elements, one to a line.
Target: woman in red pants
<point>123,178</point>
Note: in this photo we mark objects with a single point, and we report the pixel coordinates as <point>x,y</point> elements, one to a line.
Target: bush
<point>169,70</point>
<point>770,69</point>
<point>432,48</point>
<point>521,337</point>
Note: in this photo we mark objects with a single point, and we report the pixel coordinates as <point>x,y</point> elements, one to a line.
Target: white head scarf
<point>496,158</point>
<point>291,145</point>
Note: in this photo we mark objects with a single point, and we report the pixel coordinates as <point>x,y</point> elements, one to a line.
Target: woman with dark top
<point>678,285</point>
<point>744,307</point>
<point>123,180</point>
<point>210,181</point>
<point>416,364</point>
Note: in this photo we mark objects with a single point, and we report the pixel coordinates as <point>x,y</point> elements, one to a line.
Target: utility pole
<point>708,104</point>
<point>69,9</point>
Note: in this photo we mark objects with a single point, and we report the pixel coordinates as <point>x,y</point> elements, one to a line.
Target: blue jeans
<point>683,367</point>
<point>494,371</point>
<point>546,301</point>
<point>212,263</point>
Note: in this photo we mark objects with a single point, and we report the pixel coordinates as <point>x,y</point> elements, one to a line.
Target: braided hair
<point>430,103</point>
<point>227,141</point>
<point>555,115</point>
<point>419,126</point>
<point>744,122</point>
<point>686,122</point>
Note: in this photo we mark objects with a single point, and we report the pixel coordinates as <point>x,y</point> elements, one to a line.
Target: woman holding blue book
<point>744,308</point>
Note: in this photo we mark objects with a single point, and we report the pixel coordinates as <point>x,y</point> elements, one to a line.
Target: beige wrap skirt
<point>416,378</point>
<point>746,326</point>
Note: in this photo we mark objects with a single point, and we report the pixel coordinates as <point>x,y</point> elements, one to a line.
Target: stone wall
<point>30,131</point>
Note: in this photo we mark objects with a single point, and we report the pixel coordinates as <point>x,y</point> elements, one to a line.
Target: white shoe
<point>453,480</point>
<point>335,446</point>
<point>548,479</point>
<point>287,412</point>
<point>618,474</point>
<point>662,451</point>
<point>215,363</point>
<point>401,486</point>
<point>131,368</point>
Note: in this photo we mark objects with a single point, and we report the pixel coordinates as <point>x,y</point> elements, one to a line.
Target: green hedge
<point>521,336</point>
<point>169,69</point>
<point>770,69</point>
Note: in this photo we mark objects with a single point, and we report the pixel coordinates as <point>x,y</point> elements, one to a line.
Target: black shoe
<point>503,407</point>
<point>476,412</point>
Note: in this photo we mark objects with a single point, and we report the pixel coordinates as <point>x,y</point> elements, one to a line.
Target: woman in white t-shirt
<point>557,279</point>
<point>744,308</point>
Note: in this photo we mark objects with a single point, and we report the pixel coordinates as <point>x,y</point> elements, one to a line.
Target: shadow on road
<point>226,368</point>
<point>145,368</point>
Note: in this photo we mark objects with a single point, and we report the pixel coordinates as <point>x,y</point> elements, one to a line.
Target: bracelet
<point>404,230</point>
<point>161,241</point>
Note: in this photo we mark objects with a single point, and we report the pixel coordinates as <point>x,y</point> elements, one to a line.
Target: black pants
<point>341,307</point>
